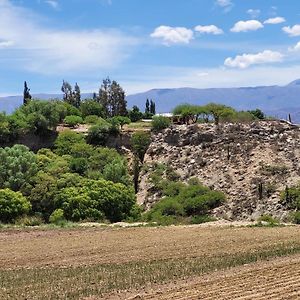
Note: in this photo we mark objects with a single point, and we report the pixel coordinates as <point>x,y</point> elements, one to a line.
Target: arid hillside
<point>251,163</point>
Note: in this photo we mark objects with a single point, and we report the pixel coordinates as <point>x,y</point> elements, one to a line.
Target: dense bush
<point>18,166</point>
<point>186,203</point>
<point>66,140</point>
<point>73,121</point>
<point>95,200</point>
<point>160,123</point>
<point>57,217</point>
<point>12,205</point>
<point>92,119</point>
<point>135,114</point>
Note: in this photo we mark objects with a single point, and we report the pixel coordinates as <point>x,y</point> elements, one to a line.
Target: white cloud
<point>52,3</point>
<point>209,29</point>
<point>246,60</point>
<point>296,48</point>
<point>53,51</point>
<point>6,44</point>
<point>244,26</point>
<point>276,20</point>
<point>173,35</point>
<point>254,13</point>
<point>227,5</point>
<point>292,31</point>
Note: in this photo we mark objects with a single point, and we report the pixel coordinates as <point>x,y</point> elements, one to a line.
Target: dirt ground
<point>277,279</point>
<point>32,248</point>
<point>154,262</point>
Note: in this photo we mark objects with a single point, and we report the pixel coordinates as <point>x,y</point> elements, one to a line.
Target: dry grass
<point>70,264</point>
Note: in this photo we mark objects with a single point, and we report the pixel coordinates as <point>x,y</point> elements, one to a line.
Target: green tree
<point>135,114</point>
<point>12,205</point>
<point>26,94</point>
<point>77,96</point>
<point>98,134</point>
<point>66,140</point>
<point>152,107</point>
<point>112,98</point>
<point>121,121</point>
<point>258,114</point>
<point>67,90</point>
<point>18,165</point>
<point>219,111</point>
<point>140,142</point>
<point>91,107</point>
<point>147,107</point>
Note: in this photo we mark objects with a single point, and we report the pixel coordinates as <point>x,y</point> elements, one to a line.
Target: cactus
<point>260,190</point>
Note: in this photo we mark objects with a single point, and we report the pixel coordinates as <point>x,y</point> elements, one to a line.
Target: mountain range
<point>277,101</point>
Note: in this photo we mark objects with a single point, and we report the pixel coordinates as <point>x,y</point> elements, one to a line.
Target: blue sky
<point>145,44</point>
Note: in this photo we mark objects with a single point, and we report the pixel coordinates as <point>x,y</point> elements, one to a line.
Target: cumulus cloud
<point>276,20</point>
<point>292,31</point>
<point>209,29</point>
<point>244,26</point>
<point>254,13</point>
<point>173,35</point>
<point>246,60</point>
<point>52,51</point>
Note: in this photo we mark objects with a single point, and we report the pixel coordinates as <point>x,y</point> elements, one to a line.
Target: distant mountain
<point>276,101</point>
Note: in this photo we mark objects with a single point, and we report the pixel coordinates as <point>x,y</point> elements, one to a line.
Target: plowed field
<point>156,263</point>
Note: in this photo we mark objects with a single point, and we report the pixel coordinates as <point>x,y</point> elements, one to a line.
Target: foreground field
<point>78,263</point>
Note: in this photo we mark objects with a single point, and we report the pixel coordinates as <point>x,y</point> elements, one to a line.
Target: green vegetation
<point>215,112</point>
<point>160,122</point>
<point>12,205</point>
<point>181,203</point>
<point>290,197</point>
<point>73,121</point>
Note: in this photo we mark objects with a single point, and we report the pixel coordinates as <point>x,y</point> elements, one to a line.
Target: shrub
<point>96,199</point>
<point>160,123</point>
<point>296,217</point>
<point>92,119</point>
<point>193,201</point>
<point>66,140</point>
<point>73,121</point>
<point>29,221</point>
<point>57,217</point>
<point>268,219</point>
<point>99,134</point>
<point>18,166</point>
<point>140,142</point>
<point>12,205</point>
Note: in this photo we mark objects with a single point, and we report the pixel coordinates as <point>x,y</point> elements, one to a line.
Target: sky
<point>146,44</point>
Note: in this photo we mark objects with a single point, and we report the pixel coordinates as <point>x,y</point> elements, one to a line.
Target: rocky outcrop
<point>250,163</point>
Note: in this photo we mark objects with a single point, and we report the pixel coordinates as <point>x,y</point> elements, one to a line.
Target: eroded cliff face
<point>251,163</point>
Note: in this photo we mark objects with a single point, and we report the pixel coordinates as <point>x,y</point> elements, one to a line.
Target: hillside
<point>251,163</point>
<point>277,101</point>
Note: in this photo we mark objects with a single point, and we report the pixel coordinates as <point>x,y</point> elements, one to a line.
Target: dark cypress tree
<point>152,107</point>
<point>77,96</point>
<point>26,94</point>
<point>95,96</point>
<point>147,107</point>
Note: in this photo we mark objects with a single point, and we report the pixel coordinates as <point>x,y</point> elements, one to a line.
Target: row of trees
<point>215,112</point>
